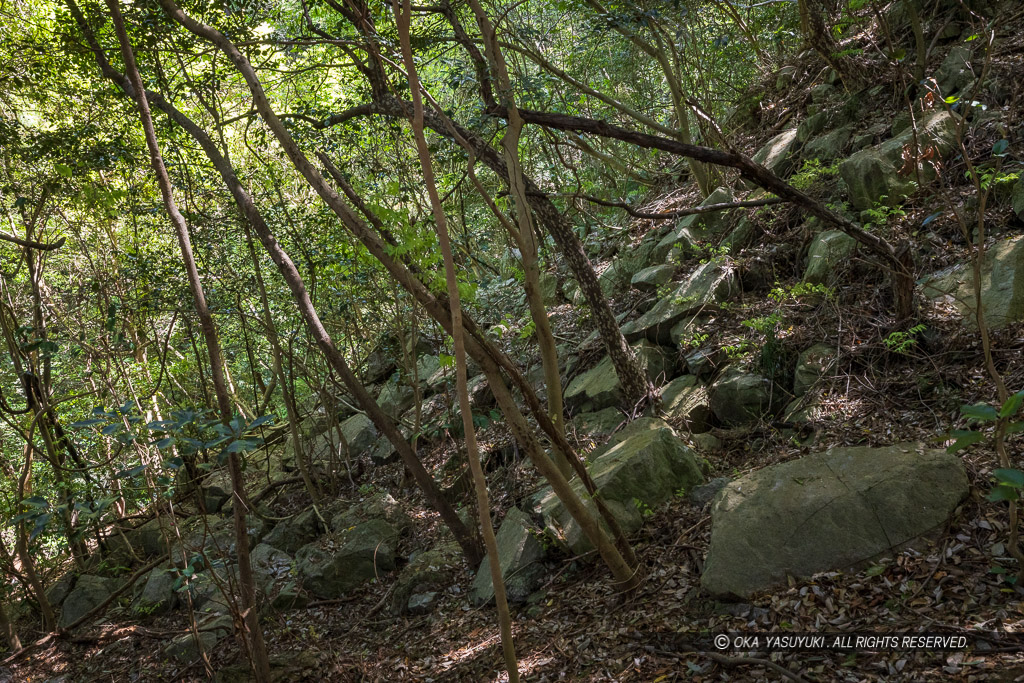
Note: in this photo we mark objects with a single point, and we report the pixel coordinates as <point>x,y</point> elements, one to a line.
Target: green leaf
<point>1011,405</point>
<point>111,429</point>
<point>165,442</point>
<point>1001,493</point>
<point>999,149</point>
<point>982,411</point>
<point>130,472</point>
<point>262,420</point>
<point>1009,477</point>
<point>63,170</point>
<point>41,522</point>
<point>86,423</point>
<point>36,502</point>
<point>964,438</point>
<point>1014,427</point>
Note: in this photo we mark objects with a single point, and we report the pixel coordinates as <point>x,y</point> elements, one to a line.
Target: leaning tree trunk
<point>251,635</point>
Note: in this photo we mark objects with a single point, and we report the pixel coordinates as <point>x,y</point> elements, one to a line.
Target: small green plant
<point>811,172</point>
<point>880,214</point>
<point>643,508</point>
<point>902,342</point>
<point>366,489</point>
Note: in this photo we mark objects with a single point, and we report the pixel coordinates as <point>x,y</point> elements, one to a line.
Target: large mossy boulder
<point>360,434</point>
<point>291,534</point>
<point>955,73</point>
<point>643,466</point>
<point>1002,286</point>
<point>599,387</point>
<point>810,365</point>
<point>428,572</point>
<point>685,401</point>
<point>739,397</point>
<point>830,146</point>
<point>159,591</point>
<point>827,511</point>
<point>710,284</point>
<point>89,592</point>
<point>395,398</point>
<point>695,228</point>
<point>357,555</point>
<point>880,174</point>
<point>519,555</point>
<point>777,154</point>
<point>829,251</point>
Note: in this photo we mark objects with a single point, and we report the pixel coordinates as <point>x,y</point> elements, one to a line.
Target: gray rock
<point>599,387</point>
<point>955,73</point>
<point>684,401</point>
<point>185,650</point>
<point>88,593</point>
<point>652,278</point>
<point>549,290</point>
<point>705,493</point>
<point>159,593</point>
<point>830,146</point>
<point>216,490</point>
<point>777,154</point>
<point>381,505</point>
<point>1017,200</point>
<point>827,511</point>
<point>395,398</point>
<point>710,284</point>
<point>270,566</point>
<point>427,572</point>
<point>810,365</point>
<point>363,553</point>
<point>599,424</point>
<point>291,534</point>
<point>1002,295</point>
<point>690,230</point>
<point>58,592</point>
<point>519,555</point>
<point>821,93</point>
<point>829,251</point>
<point>738,397</point>
<point>879,172</point>
<point>359,433</point>
<point>644,465</point>
<point>422,603</point>
<point>811,126</point>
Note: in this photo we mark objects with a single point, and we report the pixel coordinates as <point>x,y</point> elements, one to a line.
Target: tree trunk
<point>252,635</point>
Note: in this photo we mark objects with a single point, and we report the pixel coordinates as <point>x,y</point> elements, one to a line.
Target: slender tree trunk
<point>402,19</point>
<point>289,400</point>
<point>252,636</point>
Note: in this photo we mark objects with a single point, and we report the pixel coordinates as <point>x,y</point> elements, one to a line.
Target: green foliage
<point>903,342</point>
<point>812,173</point>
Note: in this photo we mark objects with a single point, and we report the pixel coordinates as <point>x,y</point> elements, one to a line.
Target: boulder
<point>291,534</point>
<point>1002,295</point>
<point>643,466</point>
<point>519,555</point>
<point>708,285</point>
<point>811,126</point>
<point>738,397</point>
<point>599,387</point>
<point>828,147</point>
<point>1017,200</point>
<point>275,577</point>
<point>880,173</point>
<point>829,251</point>
<point>549,290</point>
<point>777,154</point>
<point>654,277</point>
<point>395,398</point>
<point>361,554</point>
<point>185,649</point>
<point>427,572</point>
<point>810,365</point>
<point>88,593</point>
<point>599,424</point>
<point>690,230</point>
<point>359,433</point>
<point>159,592</point>
<point>684,401</point>
<point>216,490</point>
<point>612,279</point>
<point>955,73</point>
<point>827,511</point>
<point>381,505</point>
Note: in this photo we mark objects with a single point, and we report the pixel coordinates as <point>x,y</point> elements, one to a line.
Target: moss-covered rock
<point>826,511</point>
<point>519,555</point>
<point>829,251</point>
